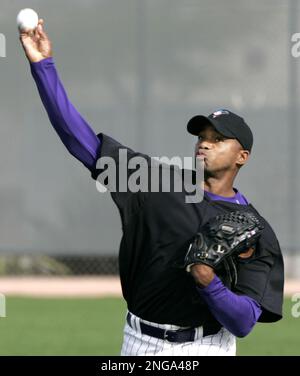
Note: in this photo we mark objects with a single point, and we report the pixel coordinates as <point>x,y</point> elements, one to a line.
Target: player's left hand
<point>204,274</point>
<point>219,244</point>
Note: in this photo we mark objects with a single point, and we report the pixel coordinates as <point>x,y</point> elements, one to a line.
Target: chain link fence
<point>75,265</point>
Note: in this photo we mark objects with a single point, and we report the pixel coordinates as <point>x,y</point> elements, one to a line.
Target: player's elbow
<point>241,328</point>
<point>241,331</point>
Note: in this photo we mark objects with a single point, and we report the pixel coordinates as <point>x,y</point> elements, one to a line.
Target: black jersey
<point>157,229</point>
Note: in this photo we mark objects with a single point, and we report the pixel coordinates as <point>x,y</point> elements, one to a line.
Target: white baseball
<point>27,19</point>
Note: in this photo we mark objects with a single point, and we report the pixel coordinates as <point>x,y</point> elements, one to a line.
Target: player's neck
<point>219,187</point>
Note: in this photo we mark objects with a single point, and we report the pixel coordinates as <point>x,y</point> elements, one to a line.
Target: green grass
<point>281,338</point>
<point>95,327</point>
<point>62,326</point>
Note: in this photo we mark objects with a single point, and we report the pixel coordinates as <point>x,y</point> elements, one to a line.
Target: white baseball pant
<point>136,343</point>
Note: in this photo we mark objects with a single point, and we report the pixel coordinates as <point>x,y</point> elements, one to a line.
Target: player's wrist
<point>42,61</point>
<point>202,274</point>
<point>36,59</point>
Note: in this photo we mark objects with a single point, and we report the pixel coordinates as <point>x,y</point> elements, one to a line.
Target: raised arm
<point>73,130</point>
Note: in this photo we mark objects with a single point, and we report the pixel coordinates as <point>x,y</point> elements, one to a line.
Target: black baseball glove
<point>222,239</point>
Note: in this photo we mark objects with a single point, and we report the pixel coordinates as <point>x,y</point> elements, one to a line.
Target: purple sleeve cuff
<point>73,130</point>
<point>236,313</point>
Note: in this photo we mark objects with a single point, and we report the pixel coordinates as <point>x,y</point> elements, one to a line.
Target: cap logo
<point>220,112</point>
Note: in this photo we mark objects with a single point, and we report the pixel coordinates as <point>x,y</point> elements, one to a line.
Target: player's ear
<point>242,157</point>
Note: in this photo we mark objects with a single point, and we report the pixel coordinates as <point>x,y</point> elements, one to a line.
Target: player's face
<point>217,152</point>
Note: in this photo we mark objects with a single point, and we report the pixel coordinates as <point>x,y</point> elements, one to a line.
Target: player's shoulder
<point>268,234</point>
<point>268,238</point>
<point>265,221</point>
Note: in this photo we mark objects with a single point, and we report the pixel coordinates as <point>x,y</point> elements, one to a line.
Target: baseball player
<point>188,290</point>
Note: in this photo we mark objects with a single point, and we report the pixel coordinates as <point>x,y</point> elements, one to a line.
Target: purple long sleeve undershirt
<point>236,313</point>
<point>73,130</point>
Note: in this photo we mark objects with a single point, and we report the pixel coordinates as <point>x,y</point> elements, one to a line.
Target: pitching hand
<point>36,44</point>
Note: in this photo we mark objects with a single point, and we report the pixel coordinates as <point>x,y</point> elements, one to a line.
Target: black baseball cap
<point>225,122</point>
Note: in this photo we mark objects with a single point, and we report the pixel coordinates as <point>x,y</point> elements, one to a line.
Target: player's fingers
<point>36,32</point>
<point>247,254</point>
<point>22,39</point>
<point>22,35</point>
<point>26,42</point>
<point>25,35</point>
<point>40,29</point>
<point>39,26</point>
